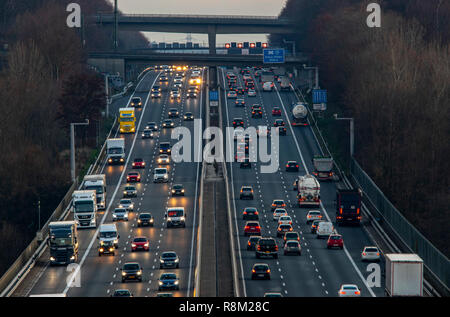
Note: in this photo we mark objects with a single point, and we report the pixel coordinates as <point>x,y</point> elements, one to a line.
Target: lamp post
<point>352,132</point>
<point>115,25</point>
<point>72,147</point>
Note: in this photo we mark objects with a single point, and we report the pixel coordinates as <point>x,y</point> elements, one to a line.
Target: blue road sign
<point>273,55</point>
<point>319,95</point>
<point>213,95</point>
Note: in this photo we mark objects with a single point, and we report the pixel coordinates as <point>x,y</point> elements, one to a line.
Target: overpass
<point>203,24</point>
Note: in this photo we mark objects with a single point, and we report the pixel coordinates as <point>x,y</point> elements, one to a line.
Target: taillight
<point>342,292</point>
<point>268,271</point>
<point>357,292</point>
<point>246,228</point>
<point>276,248</point>
<point>256,212</point>
<point>340,210</point>
<point>364,253</point>
<point>357,211</point>
<point>249,243</point>
<point>253,271</point>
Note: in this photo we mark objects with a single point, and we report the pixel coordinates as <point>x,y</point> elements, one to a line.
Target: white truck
<point>323,167</point>
<point>299,114</point>
<point>285,83</point>
<point>115,151</point>
<point>84,206</point>
<point>97,183</point>
<point>308,191</point>
<point>404,275</point>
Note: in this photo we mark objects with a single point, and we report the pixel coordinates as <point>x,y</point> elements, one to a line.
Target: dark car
<point>293,235</point>
<point>168,124</point>
<point>246,192</point>
<point>173,113</point>
<point>169,259</point>
<point>131,271</point>
<point>314,225</point>
<point>164,148</point>
<point>106,247</point>
<point>145,219</point>
<point>278,123</point>
<point>252,241</point>
<point>283,228</point>
<point>257,113</point>
<point>177,190</point>
<point>168,281</point>
<point>238,122</point>
<point>138,163</point>
<point>191,94</point>
<point>291,166</point>
<point>276,112</point>
<point>239,102</point>
<point>136,102</point>
<point>250,213</point>
<point>261,271</point>
<point>266,247</point>
<point>121,293</point>
<point>188,116</point>
<point>147,134</point>
<point>152,126</point>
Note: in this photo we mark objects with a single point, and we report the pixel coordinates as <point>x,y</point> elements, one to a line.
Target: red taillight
<point>245,212</point>
<point>253,271</point>
<point>357,292</point>
<point>357,211</point>
<point>342,292</point>
<point>340,210</point>
<point>364,253</point>
<point>246,228</point>
<point>296,165</point>
<point>268,271</point>
<point>276,248</point>
<point>249,243</point>
<point>256,212</point>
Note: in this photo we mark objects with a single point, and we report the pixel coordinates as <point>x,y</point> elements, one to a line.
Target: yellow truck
<point>127,120</point>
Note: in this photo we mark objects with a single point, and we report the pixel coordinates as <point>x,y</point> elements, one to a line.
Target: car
<point>273,294</point>
<point>152,126</point>
<point>261,271</point>
<point>106,247</point>
<point>122,293</point>
<point>163,159</point>
<point>131,271</point>
<point>160,175</point>
<point>278,212</point>
<point>276,112</point>
<point>127,204</point>
<point>147,134</point>
<point>250,213</point>
<point>173,113</point>
<point>177,190</point>
<point>145,219</point>
<point>257,113</point>
<point>252,241</point>
<point>251,93</point>
<point>191,94</point>
<point>256,106</point>
<point>136,102</point>
<point>370,253</point>
<point>239,102</point>
<point>292,246</point>
<point>283,228</point>
<point>168,123</point>
<point>130,191</point>
<point>232,94</point>
<point>138,163</point>
<point>285,219</point>
<point>178,84</point>
<point>277,203</point>
<point>238,122</point>
<point>278,123</point>
<point>292,166</point>
<point>188,116</point>
<point>293,235</point>
<point>140,243</point>
<point>193,89</point>
<point>246,192</point>
<point>134,177</point>
<point>169,259</point>
<point>240,90</point>
<point>335,241</point>
<point>120,214</point>
<point>164,148</point>
<point>168,281</point>
<point>156,88</point>
<point>247,76</point>
<point>175,95</point>
<point>163,79</point>
<point>314,225</point>
<point>252,228</point>
<point>267,86</point>
<point>313,215</point>
<point>266,247</point>
<point>324,229</point>
<point>156,94</point>
<point>349,290</point>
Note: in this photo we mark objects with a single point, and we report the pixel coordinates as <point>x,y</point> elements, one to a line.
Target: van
<point>108,232</point>
<point>324,229</point>
<point>175,217</point>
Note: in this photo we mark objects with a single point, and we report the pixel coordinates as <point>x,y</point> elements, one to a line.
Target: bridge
<point>203,24</point>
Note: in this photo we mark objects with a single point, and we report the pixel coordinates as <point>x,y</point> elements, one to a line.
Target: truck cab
<point>115,151</point>
<point>84,207</point>
<point>108,233</point>
<point>63,242</point>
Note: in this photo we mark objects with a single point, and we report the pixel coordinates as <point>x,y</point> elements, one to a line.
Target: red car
<point>335,241</point>
<point>138,163</point>
<point>140,243</point>
<point>133,177</point>
<point>252,228</point>
<point>276,111</point>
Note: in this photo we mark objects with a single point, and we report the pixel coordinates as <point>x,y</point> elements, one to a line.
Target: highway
<point>318,271</point>
<point>100,276</point>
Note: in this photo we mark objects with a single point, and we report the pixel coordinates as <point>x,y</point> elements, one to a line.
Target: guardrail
<point>100,15</point>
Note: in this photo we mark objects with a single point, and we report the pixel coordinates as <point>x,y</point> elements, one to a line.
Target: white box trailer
<point>404,275</point>
<point>97,183</point>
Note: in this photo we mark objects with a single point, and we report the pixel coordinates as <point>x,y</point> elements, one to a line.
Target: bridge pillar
<point>212,39</point>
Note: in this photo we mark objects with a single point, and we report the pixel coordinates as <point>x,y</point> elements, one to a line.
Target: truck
<point>285,83</point>
<point>267,77</point>
<point>348,206</point>
<point>97,183</point>
<point>404,274</point>
<point>323,167</point>
<point>84,204</point>
<point>115,151</point>
<point>127,120</point>
<point>299,114</point>
<point>63,242</point>
<point>308,191</point>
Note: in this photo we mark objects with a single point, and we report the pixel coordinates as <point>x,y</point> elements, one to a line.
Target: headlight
<point>101,250</point>
<point>146,245</point>
<point>173,191</point>
<point>52,258</point>
<point>111,249</point>
<point>133,245</point>
<point>177,260</point>
<point>139,220</point>
<point>165,176</point>
<point>182,190</point>
<point>124,273</point>
<point>114,216</point>
<point>116,241</point>
<point>182,218</point>
<point>176,282</point>
<point>72,257</point>
<point>161,261</point>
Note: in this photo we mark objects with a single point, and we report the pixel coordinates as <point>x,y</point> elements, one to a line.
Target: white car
<point>127,204</point>
<point>251,93</point>
<point>278,213</point>
<point>232,94</point>
<point>267,86</point>
<point>370,253</point>
<point>349,290</point>
<point>160,175</point>
<point>324,229</point>
<point>120,214</point>
<point>313,215</point>
<point>163,159</point>
<point>285,219</point>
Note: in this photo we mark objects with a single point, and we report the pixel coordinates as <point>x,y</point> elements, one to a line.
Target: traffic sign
<point>213,95</point>
<point>319,96</point>
<point>273,55</point>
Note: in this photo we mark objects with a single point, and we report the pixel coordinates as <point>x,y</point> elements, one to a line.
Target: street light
<point>317,74</point>
<point>352,132</point>
<point>72,147</point>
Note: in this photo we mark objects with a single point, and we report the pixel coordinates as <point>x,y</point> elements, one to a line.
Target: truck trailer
<point>97,183</point>
<point>404,275</point>
<point>308,191</point>
<point>299,114</point>
<point>323,167</point>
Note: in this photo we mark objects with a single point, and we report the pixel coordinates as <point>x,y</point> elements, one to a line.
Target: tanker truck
<point>299,114</point>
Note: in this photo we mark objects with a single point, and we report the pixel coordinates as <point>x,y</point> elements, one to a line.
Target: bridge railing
<point>194,16</point>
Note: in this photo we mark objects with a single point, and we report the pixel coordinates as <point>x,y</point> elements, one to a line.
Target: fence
<point>437,262</point>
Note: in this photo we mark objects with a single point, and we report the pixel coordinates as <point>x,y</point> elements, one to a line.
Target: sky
<point>213,7</point>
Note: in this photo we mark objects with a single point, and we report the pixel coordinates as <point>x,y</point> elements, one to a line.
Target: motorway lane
<point>324,270</point>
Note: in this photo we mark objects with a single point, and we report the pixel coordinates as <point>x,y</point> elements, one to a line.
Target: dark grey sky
<point>216,7</point>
